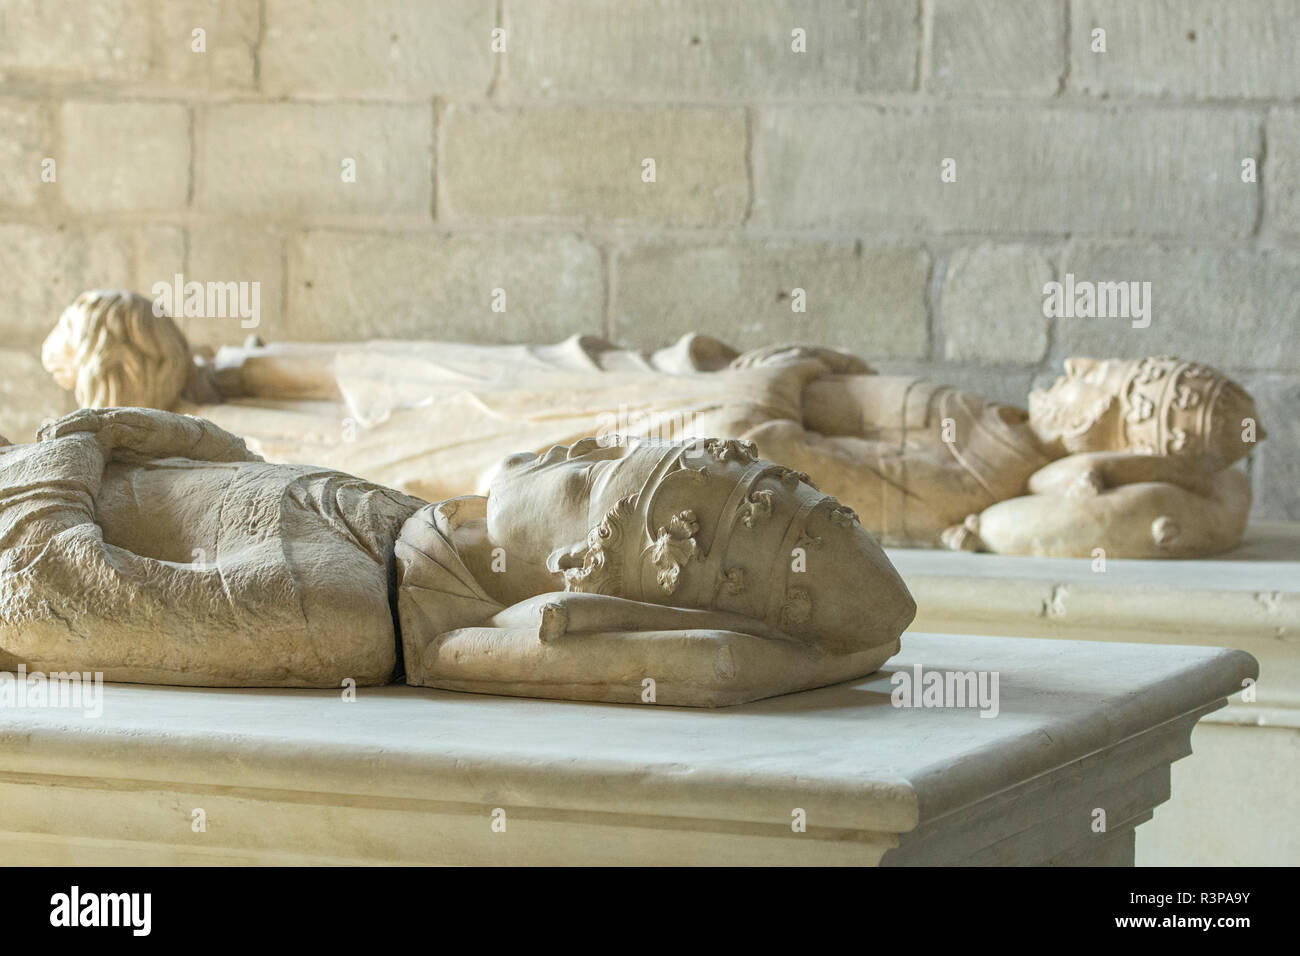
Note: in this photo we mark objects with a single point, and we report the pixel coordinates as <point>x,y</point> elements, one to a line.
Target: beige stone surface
<point>650,50</point>
<point>1282,180</point>
<point>26,143</point>
<point>996,46</point>
<point>345,286</point>
<point>1007,384</point>
<point>870,301</point>
<point>29,398</point>
<point>229,56</point>
<point>290,158</point>
<point>1194,48</point>
<point>157,252</point>
<point>1237,304</point>
<point>239,252</point>
<point>1247,769</point>
<point>1019,169</point>
<point>125,156</point>
<point>1275,470</point>
<point>992,305</point>
<point>1248,598</point>
<point>400,48</point>
<point>415,775</point>
<point>49,263</point>
<point>48,267</point>
<point>74,40</point>
<point>576,162</point>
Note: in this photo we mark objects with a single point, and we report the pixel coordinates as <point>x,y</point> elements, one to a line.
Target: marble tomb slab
<point>1248,598</point>
<point>1234,804</point>
<point>412,775</point>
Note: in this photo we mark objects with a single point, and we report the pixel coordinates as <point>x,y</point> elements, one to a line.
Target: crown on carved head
<point>714,526</point>
<point>1183,409</point>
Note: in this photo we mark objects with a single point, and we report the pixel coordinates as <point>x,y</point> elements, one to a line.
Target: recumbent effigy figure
<point>154,547</point>
<point>1135,457</point>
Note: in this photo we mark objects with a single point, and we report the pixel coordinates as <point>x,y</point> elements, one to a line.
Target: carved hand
<point>138,433</point>
<point>1137,518</point>
<point>1087,473</point>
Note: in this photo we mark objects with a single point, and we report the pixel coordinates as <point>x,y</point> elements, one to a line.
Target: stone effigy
<point>153,547</point>
<point>1133,457</point>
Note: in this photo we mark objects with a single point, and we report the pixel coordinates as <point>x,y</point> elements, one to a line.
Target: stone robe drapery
<point>432,419</point>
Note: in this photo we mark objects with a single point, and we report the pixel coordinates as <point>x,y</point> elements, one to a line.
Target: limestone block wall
<point>895,177</point>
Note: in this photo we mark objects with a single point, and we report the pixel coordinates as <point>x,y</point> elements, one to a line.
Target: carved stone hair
<point>597,568</point>
<point>123,354</point>
<point>599,565</point>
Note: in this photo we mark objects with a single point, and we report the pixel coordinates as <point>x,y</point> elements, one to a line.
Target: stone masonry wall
<point>380,168</point>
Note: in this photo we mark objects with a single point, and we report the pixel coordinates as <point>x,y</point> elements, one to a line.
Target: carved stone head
<point>703,524</point>
<point>1150,406</point>
<point>110,349</point>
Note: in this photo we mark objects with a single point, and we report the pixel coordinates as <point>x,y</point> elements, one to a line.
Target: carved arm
<point>136,433</point>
